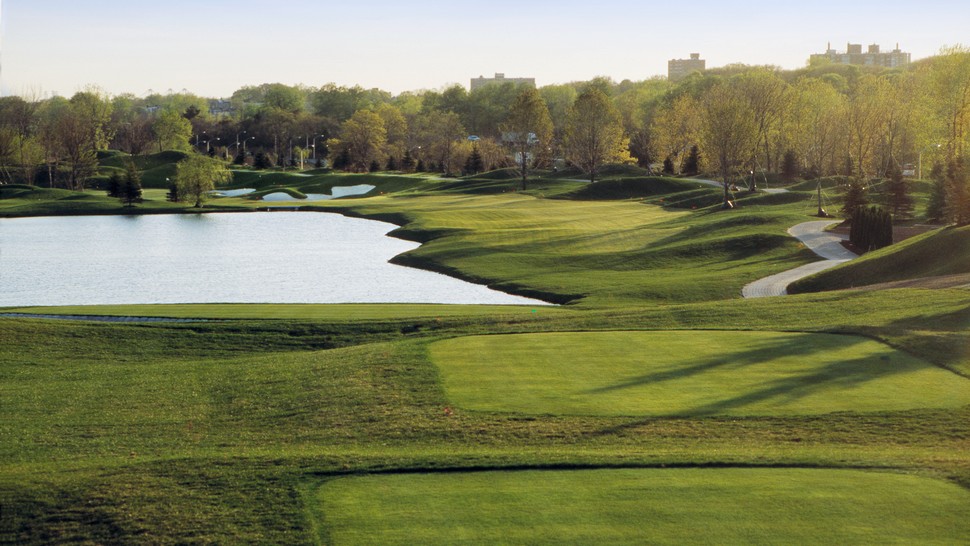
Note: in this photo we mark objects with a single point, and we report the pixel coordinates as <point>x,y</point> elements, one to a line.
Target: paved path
<point>813,235</point>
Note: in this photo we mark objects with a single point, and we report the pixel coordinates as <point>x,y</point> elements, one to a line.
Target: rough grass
<point>945,251</point>
<point>689,373</point>
<point>658,506</point>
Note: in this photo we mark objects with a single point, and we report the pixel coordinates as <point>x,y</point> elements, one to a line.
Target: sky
<point>214,47</point>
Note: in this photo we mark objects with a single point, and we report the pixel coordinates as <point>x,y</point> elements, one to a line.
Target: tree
<point>855,197</point>
<point>789,166</point>
<point>113,188</point>
<point>197,175</point>
<point>528,127</point>
<point>363,137</point>
<point>474,165</point>
<point>729,132</point>
<point>675,128</point>
<point>817,122</point>
<point>131,190</point>
<point>957,206</point>
<point>407,162</point>
<point>951,85</point>
<point>868,116</point>
<point>936,207</point>
<point>899,198</point>
<point>260,161</point>
<point>594,132</point>
<point>693,161</point>
<point>172,131</point>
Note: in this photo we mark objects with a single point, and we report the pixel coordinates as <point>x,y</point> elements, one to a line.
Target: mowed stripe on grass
<point>643,506</point>
<point>689,373</point>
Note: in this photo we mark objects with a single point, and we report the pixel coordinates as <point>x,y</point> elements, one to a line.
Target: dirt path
<point>812,235</point>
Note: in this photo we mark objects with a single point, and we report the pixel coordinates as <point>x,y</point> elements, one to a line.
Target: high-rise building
<point>499,79</point>
<point>678,69</point>
<point>871,57</point>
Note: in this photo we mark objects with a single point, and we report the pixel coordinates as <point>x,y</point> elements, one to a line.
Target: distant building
<point>872,57</point>
<point>678,69</point>
<point>499,79</point>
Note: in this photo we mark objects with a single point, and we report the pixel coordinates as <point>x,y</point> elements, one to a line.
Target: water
<point>272,257</point>
<point>335,192</point>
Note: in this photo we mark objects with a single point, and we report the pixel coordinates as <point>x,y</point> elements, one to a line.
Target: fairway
<point>689,373</point>
<point>655,506</point>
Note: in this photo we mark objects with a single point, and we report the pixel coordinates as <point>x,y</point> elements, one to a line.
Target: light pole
<point>937,146</point>
<point>315,137</point>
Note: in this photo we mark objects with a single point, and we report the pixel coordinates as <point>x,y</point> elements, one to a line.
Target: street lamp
<point>937,146</point>
<point>315,137</point>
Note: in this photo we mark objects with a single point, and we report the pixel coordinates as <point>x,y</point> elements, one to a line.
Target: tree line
<point>821,120</point>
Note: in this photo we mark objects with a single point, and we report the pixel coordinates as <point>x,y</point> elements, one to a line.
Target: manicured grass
<point>945,251</point>
<point>689,373</point>
<point>658,506</point>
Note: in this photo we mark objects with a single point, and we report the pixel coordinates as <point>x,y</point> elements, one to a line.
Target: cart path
<point>812,235</point>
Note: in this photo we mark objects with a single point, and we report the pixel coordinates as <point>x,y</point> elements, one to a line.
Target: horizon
<point>217,48</point>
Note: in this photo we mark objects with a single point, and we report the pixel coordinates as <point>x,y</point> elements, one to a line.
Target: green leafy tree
<point>172,131</point>
<point>363,137</point>
<point>197,175</point>
<point>528,129</point>
<point>594,132</point>
<point>729,132</point>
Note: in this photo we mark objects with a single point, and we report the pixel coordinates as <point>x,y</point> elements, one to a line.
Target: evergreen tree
<point>420,168</point>
<point>240,158</point>
<point>374,166</point>
<point>173,192</point>
<point>899,198</point>
<point>407,162</point>
<point>957,207</point>
<point>474,164</point>
<point>668,166</point>
<point>262,161</point>
<point>789,166</point>
<point>114,185</point>
<point>855,197</point>
<point>391,164</point>
<point>692,162</point>
<point>131,191</point>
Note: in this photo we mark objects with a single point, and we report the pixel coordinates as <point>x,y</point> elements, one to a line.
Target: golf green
<point>689,373</point>
<point>637,506</point>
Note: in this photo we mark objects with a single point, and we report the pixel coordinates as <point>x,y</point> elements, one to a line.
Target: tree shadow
<point>835,376</point>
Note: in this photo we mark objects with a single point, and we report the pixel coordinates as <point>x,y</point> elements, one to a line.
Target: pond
<point>268,257</point>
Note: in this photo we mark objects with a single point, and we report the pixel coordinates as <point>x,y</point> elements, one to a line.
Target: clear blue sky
<point>213,47</point>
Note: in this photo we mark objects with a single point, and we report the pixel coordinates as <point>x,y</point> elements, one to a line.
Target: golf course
<point>641,401</point>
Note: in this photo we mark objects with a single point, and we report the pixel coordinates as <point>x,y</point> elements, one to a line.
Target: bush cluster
<point>872,228</point>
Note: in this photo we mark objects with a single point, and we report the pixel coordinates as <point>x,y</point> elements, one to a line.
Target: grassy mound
<point>658,506</point>
<point>630,188</point>
<point>689,373</point>
<point>944,251</point>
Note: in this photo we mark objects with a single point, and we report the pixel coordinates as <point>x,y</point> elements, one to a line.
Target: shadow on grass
<point>835,376</point>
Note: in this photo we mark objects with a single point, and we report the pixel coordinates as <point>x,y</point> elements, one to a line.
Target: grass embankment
<point>660,506</point>
<point>945,251</point>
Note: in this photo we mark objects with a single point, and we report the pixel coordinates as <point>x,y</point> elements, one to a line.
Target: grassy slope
<point>945,251</point>
<point>217,432</point>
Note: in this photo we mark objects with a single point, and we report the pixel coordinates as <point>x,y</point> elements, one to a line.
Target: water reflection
<point>209,258</point>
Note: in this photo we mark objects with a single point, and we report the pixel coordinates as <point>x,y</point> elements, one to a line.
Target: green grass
<point>222,431</point>
<point>669,506</point>
<point>945,251</point>
<point>689,373</point>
